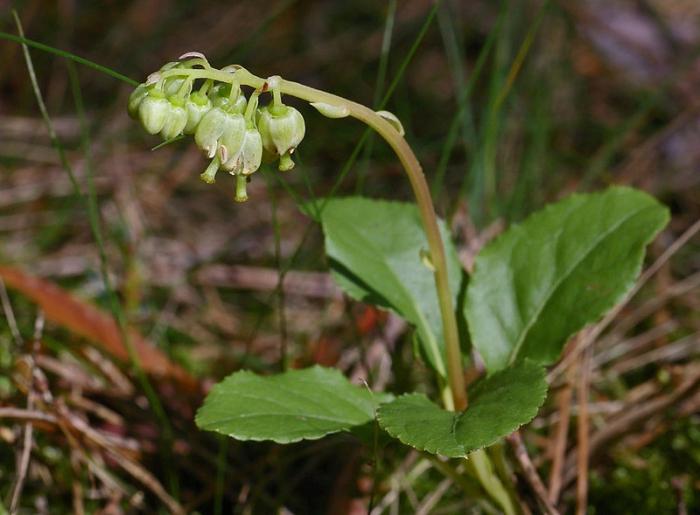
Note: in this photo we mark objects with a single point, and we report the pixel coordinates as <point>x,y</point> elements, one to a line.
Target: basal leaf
<point>296,405</point>
<point>375,250</point>
<point>562,268</point>
<point>498,405</point>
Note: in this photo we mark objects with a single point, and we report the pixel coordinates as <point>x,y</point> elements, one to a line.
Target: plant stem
<point>418,184</point>
<point>428,217</point>
<point>454,399</point>
<point>425,206</point>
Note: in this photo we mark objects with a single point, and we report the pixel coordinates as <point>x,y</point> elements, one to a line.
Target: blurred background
<point>508,105</point>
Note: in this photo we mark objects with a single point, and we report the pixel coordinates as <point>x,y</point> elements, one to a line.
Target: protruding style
<point>234,133</point>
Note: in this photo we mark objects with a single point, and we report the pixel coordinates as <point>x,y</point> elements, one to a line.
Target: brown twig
<point>583,433</point>
<point>147,479</point>
<point>616,349</point>
<point>309,284</point>
<point>688,284</point>
<point>431,500</point>
<point>530,472</point>
<point>560,438</point>
<point>28,415</point>
<point>675,351</point>
<point>27,443</point>
<point>9,314</point>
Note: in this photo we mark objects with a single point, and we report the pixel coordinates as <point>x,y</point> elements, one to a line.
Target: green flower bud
<point>172,85</point>
<point>135,100</point>
<point>282,129</point>
<point>176,120</point>
<point>249,157</point>
<point>231,141</point>
<point>220,96</point>
<point>196,106</point>
<point>209,130</point>
<point>154,111</point>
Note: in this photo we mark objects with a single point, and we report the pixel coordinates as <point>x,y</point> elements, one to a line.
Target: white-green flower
<point>282,128</point>
<point>153,111</point>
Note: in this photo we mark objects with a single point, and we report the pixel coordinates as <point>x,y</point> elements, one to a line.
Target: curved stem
<point>418,184</point>
<point>428,217</point>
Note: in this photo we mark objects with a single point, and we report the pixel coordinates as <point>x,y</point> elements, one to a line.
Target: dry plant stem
<point>560,439</point>
<point>28,415</point>
<point>583,433</point>
<point>533,478</point>
<point>28,441</point>
<point>418,183</point>
<point>9,314</point>
<point>23,461</point>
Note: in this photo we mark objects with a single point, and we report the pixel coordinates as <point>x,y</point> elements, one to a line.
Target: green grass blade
<point>68,55</point>
<point>379,86</point>
<point>462,117</point>
<point>387,96</point>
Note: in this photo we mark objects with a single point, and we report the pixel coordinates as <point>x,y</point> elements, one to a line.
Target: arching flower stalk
<point>189,96</point>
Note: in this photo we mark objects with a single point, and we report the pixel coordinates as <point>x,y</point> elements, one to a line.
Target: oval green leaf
<point>296,405</point>
<point>562,268</point>
<point>377,252</point>
<point>498,405</point>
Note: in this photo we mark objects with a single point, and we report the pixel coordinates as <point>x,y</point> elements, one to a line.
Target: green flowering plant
<point>532,288</point>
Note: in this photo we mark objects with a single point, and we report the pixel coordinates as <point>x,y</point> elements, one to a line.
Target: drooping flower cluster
<point>231,129</point>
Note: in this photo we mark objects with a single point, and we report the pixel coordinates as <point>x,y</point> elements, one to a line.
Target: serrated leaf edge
<point>247,438</point>
<point>432,450</point>
<point>571,199</point>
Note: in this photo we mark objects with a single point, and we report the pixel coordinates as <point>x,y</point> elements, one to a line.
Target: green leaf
<point>296,405</point>
<point>562,268</point>
<point>498,405</point>
<point>377,255</point>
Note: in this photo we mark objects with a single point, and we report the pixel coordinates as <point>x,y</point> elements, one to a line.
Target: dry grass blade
<point>431,500</point>
<point>147,479</point>
<point>676,351</point>
<point>531,475</point>
<point>29,415</point>
<point>28,440</point>
<point>9,314</point>
<point>560,438</point>
<point>310,284</point>
<point>678,289</point>
<point>632,346</point>
<point>582,453</point>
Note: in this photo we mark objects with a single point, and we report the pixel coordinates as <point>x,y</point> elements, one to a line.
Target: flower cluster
<point>233,131</point>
